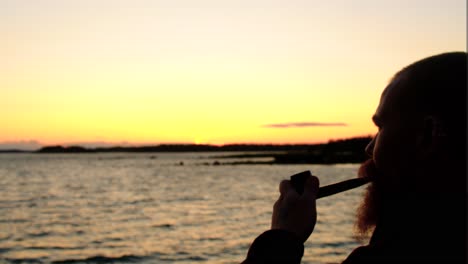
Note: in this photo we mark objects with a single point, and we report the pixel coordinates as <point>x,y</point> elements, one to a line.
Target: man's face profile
<point>391,152</point>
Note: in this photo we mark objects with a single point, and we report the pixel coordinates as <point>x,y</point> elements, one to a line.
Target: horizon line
<point>34,145</point>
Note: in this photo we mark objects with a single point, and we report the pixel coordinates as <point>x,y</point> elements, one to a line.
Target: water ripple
<point>119,208</point>
<point>103,259</point>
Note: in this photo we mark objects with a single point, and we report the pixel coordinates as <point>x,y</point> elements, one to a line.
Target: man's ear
<point>432,137</point>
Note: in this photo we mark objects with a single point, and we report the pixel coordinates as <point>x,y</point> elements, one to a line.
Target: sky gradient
<point>217,72</point>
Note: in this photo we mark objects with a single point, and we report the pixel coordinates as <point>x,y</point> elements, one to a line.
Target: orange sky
<point>205,71</point>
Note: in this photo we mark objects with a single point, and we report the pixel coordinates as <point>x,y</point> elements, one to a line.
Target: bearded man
<point>415,207</point>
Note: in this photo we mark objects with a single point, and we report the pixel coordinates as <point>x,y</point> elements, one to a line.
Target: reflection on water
<point>146,208</point>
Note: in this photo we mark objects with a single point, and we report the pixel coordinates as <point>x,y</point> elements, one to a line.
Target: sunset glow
<point>208,72</point>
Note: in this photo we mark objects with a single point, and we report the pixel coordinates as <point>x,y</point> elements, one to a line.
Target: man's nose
<point>370,148</point>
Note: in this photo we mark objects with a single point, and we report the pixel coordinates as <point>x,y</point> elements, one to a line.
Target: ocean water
<point>155,208</point>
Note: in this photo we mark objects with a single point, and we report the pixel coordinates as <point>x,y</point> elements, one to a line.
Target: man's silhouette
<point>416,206</point>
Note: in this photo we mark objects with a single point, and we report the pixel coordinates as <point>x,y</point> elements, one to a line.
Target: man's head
<point>420,146</point>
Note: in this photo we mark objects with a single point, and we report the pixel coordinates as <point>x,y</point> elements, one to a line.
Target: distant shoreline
<point>335,151</point>
<point>15,151</point>
<point>350,142</point>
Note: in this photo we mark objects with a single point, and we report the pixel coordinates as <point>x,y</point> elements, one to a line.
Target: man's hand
<point>294,212</point>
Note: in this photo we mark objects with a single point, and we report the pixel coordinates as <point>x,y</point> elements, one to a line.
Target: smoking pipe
<point>298,181</point>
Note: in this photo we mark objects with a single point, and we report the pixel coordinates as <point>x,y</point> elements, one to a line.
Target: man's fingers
<point>288,194</point>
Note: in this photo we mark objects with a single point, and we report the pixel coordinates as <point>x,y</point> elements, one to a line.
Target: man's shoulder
<point>363,254</point>
<point>371,254</point>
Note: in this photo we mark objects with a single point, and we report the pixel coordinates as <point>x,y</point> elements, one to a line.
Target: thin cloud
<point>303,124</point>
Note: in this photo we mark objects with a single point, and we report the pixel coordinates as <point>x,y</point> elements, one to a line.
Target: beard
<point>369,210</point>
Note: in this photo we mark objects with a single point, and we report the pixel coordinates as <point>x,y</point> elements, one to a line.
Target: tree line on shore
<point>349,150</point>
